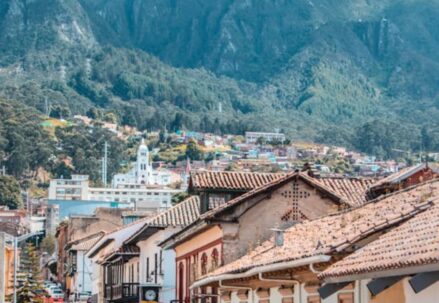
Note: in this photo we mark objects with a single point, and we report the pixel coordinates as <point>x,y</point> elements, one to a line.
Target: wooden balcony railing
<point>124,292</point>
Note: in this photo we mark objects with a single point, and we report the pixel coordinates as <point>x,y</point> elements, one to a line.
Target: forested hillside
<point>349,72</point>
<point>26,145</point>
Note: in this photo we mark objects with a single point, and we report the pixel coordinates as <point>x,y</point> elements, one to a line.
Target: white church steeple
<point>143,169</point>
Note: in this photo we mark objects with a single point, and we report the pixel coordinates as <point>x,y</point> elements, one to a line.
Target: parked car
<point>56,294</point>
<point>80,296</point>
<point>84,296</point>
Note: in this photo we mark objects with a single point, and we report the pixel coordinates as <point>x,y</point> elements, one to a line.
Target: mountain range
<point>350,72</point>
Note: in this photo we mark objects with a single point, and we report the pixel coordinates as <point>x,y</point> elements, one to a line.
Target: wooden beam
<point>423,280</point>
<point>331,288</point>
<point>378,285</point>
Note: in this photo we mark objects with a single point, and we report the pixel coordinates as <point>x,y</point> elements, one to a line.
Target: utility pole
<point>104,164</point>
<point>46,106</point>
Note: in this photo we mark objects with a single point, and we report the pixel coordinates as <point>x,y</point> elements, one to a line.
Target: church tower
<point>143,166</point>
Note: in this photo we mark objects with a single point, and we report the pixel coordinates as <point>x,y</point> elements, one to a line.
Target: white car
<point>57,294</point>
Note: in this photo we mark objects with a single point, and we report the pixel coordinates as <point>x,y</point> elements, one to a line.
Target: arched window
<point>203,264</point>
<point>215,259</point>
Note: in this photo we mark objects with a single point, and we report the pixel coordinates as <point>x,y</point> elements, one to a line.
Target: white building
<point>142,197</point>
<point>80,267</point>
<point>131,258</point>
<point>252,137</point>
<point>142,172</point>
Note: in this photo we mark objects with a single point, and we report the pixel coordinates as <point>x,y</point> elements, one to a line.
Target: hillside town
<point>262,220</point>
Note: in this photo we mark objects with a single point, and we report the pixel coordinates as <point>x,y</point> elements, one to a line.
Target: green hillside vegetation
<point>27,145</point>
<point>360,73</point>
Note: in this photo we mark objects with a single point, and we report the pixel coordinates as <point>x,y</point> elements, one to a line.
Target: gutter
<point>263,269</point>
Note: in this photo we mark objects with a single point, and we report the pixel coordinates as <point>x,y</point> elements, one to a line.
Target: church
<point>142,172</point>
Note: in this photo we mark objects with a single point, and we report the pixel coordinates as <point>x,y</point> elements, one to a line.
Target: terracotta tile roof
<point>269,186</point>
<point>400,175</point>
<point>416,242</point>
<point>230,180</point>
<point>86,243</point>
<point>334,233</point>
<point>182,214</point>
<point>187,231</point>
<point>353,190</point>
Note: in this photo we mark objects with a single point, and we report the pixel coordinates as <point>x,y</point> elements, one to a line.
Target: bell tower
<point>143,169</point>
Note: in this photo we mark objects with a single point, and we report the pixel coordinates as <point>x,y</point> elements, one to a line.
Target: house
<point>228,231</point>
<point>79,266</point>
<point>129,262</point>
<point>217,187</point>
<point>106,282</point>
<point>79,227</point>
<point>400,266</point>
<point>157,266</point>
<point>290,266</point>
<point>404,178</point>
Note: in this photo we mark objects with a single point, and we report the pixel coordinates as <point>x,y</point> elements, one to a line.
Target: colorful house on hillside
<point>235,226</point>
<point>363,255</point>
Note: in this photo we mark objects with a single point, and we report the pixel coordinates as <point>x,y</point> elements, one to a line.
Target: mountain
<point>332,71</point>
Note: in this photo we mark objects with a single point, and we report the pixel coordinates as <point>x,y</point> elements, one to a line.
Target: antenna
<point>104,164</point>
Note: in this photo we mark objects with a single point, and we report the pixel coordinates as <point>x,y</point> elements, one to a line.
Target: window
<point>287,293</point>
<point>313,296</point>
<point>346,295</point>
<point>313,299</point>
<point>215,259</point>
<point>346,298</point>
<point>147,270</point>
<point>161,263</point>
<point>204,264</point>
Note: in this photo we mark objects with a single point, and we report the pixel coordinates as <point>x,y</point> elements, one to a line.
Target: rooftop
<point>230,180</point>
<point>334,233</point>
<point>414,243</point>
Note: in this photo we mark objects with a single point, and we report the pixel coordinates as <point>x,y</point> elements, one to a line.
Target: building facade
<point>137,196</point>
<point>385,251</point>
<point>227,232</point>
<point>252,137</point>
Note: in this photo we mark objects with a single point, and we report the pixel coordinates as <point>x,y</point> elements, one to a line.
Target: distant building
<point>52,219</point>
<point>13,222</point>
<point>138,196</point>
<point>252,137</point>
<point>142,172</point>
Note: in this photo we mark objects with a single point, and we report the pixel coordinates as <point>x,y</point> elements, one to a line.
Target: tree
<point>110,117</point>
<point>193,152</point>
<point>29,277</point>
<point>60,112</point>
<point>48,244</point>
<point>94,113</point>
<point>10,192</point>
<point>261,141</point>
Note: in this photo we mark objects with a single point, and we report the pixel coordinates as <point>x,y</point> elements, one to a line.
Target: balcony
<point>125,292</point>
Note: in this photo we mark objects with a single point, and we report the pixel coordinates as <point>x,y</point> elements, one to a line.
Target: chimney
<point>278,237</point>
